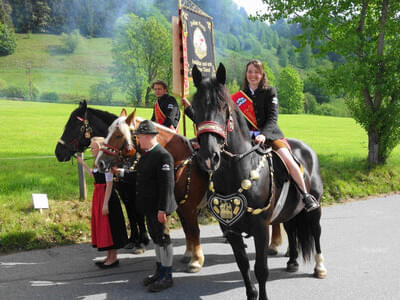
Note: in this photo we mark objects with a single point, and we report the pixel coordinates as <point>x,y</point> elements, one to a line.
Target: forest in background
<point>237,40</point>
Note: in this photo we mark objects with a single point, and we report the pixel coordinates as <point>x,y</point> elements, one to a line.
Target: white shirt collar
<point>148,150</point>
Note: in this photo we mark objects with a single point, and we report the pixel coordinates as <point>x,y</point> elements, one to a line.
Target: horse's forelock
<point>123,128</point>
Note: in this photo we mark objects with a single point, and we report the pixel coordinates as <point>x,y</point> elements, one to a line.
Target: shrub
<point>71,98</point>
<point>71,41</point>
<point>49,96</point>
<point>310,103</point>
<point>335,108</point>
<point>7,40</point>
<point>101,92</point>
<point>14,92</point>
<point>3,85</point>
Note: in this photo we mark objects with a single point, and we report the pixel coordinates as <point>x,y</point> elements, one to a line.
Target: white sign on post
<point>40,201</point>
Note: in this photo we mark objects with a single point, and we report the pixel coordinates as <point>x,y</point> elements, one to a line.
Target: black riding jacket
<point>266,109</point>
<point>170,108</point>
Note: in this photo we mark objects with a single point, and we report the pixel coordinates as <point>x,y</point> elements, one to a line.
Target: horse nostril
<point>215,159</point>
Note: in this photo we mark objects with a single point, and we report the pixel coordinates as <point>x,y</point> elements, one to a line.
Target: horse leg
<point>194,254</point>
<point>319,269</point>
<point>238,247</point>
<point>292,265</point>
<point>276,239</point>
<point>261,264</point>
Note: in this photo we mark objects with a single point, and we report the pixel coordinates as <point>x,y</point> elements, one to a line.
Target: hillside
<point>52,69</point>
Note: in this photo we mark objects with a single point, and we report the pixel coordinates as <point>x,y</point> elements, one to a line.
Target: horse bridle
<point>118,152</point>
<point>218,129</point>
<point>215,127</point>
<point>74,145</point>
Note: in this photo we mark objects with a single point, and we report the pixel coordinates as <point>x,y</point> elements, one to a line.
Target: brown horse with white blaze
<point>190,184</point>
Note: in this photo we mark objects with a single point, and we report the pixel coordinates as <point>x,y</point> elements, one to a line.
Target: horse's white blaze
<point>119,123</point>
<point>320,270</point>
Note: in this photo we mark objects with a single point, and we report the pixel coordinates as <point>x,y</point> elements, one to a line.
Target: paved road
<point>360,242</point>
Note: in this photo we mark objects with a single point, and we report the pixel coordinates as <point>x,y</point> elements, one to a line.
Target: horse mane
<point>103,115</point>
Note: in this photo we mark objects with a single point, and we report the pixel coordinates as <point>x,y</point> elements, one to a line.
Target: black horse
<point>243,194</point>
<point>83,124</point>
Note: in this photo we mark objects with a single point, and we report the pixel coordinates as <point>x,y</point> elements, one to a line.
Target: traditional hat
<point>146,127</point>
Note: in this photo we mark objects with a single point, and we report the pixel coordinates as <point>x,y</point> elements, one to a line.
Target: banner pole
<point>182,84</point>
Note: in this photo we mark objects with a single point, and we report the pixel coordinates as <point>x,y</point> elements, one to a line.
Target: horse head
<point>76,135</point>
<point>118,143</point>
<point>213,116</point>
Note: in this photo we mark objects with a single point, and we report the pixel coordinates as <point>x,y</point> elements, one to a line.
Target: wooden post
<point>82,181</point>
<point>177,64</point>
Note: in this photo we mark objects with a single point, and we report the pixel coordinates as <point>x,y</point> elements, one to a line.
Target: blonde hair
<point>260,68</point>
<point>99,140</point>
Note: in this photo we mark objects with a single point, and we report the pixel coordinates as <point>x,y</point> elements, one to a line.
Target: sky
<point>251,6</point>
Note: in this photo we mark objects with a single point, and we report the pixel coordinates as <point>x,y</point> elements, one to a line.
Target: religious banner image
<point>198,29</point>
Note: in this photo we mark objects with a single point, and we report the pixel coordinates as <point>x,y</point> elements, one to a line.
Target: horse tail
<point>302,227</point>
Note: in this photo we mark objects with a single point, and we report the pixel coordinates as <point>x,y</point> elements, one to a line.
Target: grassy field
<point>29,132</point>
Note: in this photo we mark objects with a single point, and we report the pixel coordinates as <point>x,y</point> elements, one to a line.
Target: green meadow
<point>53,70</point>
<point>29,132</point>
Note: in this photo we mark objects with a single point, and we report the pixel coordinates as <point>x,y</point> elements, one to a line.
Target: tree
<point>30,16</point>
<point>7,40</point>
<point>304,57</point>
<point>141,53</point>
<point>365,35</point>
<point>290,88</point>
<point>283,57</point>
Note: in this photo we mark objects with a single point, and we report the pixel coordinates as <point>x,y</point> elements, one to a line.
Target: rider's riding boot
<point>310,203</point>
<point>153,278</point>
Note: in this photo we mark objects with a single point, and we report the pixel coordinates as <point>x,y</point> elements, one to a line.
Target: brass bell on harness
<point>246,184</point>
<point>254,174</point>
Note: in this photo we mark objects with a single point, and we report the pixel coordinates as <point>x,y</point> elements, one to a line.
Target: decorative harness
<point>74,145</point>
<point>229,208</point>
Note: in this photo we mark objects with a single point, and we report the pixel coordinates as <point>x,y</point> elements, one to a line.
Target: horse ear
<point>123,113</point>
<point>221,74</point>
<point>83,105</point>
<point>196,75</point>
<point>131,117</point>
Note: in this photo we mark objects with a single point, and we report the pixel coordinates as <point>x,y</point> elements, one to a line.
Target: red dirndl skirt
<point>100,225</point>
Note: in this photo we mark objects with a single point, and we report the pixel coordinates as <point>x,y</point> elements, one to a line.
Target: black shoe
<point>114,264</point>
<point>145,240</point>
<point>310,203</point>
<point>151,279</point>
<point>154,277</point>
<point>99,262</point>
<point>130,245</point>
<point>161,285</point>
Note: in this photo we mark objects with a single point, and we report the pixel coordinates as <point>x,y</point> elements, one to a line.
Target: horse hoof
<point>321,274</point>
<point>185,259</point>
<point>271,251</point>
<point>292,267</point>
<point>193,269</point>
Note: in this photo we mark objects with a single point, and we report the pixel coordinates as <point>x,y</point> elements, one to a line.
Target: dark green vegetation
<point>30,131</point>
<point>364,34</point>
